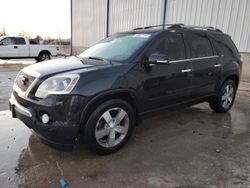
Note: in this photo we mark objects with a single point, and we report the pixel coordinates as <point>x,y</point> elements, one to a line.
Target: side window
<point>200,46</point>
<point>171,45</point>
<point>225,45</point>
<point>19,41</point>
<point>33,41</point>
<point>8,41</point>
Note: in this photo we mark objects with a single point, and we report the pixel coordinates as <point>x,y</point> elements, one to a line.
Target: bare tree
<point>25,34</point>
<point>2,33</point>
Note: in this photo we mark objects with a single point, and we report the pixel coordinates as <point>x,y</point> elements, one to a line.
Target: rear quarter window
<point>225,45</point>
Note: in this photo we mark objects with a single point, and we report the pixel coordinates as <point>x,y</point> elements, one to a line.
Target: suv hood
<point>57,66</point>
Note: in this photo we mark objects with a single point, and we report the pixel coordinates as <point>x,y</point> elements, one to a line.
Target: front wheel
<point>109,126</point>
<point>225,99</point>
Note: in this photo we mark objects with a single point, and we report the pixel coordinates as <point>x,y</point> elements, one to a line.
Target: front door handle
<point>217,65</point>
<point>15,46</point>
<point>185,70</point>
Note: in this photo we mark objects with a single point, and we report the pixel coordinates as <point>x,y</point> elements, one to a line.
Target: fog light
<point>45,118</point>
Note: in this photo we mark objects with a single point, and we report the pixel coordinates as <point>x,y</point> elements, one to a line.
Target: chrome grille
<point>23,81</point>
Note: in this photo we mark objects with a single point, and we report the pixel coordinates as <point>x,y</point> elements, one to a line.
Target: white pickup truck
<point>20,47</point>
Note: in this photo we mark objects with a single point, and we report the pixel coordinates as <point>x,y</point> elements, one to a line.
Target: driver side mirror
<point>157,59</point>
<point>1,43</point>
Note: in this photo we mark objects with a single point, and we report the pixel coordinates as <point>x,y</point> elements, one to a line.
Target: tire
<point>43,56</point>
<point>223,102</point>
<point>109,126</point>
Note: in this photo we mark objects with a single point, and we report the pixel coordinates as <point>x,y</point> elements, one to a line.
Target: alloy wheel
<point>45,57</point>
<point>112,127</point>
<point>228,96</point>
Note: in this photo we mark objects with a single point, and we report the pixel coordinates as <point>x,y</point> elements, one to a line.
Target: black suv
<point>105,91</point>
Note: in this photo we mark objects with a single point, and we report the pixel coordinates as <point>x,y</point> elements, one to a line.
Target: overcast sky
<point>38,17</point>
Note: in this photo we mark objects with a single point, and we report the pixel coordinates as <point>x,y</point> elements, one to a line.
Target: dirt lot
<point>192,147</point>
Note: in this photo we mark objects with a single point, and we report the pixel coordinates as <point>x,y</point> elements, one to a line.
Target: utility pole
<point>164,13</point>
<point>107,19</point>
<point>4,30</point>
<point>71,25</point>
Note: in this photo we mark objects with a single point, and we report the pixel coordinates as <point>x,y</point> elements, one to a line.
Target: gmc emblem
<point>22,80</point>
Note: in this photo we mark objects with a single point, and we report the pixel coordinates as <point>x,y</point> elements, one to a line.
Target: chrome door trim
<point>192,59</point>
<point>161,61</point>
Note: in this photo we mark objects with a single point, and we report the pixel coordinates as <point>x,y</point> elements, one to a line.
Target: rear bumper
<point>63,126</point>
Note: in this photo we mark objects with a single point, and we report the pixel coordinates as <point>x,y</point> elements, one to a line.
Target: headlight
<point>60,84</point>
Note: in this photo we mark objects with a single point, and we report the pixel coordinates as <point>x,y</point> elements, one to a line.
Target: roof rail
<point>208,28</point>
<point>181,25</point>
<point>160,25</point>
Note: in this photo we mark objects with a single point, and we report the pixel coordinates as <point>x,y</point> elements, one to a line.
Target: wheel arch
<point>127,95</point>
<point>44,51</point>
<point>235,77</point>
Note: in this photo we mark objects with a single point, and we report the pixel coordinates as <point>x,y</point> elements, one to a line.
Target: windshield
<point>118,47</point>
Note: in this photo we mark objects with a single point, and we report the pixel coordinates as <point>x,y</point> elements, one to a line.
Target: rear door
<point>169,84</point>
<point>21,49</point>
<point>206,64</point>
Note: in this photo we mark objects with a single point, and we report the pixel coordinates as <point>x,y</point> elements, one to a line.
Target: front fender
<point>105,95</point>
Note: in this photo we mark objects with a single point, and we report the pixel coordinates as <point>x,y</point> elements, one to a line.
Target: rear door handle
<point>15,47</point>
<point>217,65</point>
<point>185,70</point>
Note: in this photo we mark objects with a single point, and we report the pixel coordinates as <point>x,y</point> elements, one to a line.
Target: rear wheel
<point>109,126</point>
<point>225,99</point>
<point>43,56</point>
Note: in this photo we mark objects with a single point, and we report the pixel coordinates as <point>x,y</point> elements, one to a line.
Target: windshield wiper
<point>100,59</point>
<point>81,59</point>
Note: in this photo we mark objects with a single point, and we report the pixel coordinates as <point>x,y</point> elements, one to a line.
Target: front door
<point>6,47</point>
<point>14,47</point>
<point>169,84</point>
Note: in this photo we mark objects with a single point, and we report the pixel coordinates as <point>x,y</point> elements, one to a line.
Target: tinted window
<point>200,46</point>
<point>225,45</point>
<point>33,41</point>
<point>19,41</point>
<point>171,45</point>
<point>230,43</point>
<point>8,41</point>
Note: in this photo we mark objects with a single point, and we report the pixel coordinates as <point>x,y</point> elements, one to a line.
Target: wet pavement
<point>192,147</point>
<point>7,77</point>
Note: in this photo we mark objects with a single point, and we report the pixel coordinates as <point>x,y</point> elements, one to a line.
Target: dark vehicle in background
<point>104,92</point>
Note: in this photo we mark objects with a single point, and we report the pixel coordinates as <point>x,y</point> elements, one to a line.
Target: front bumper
<point>64,113</point>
